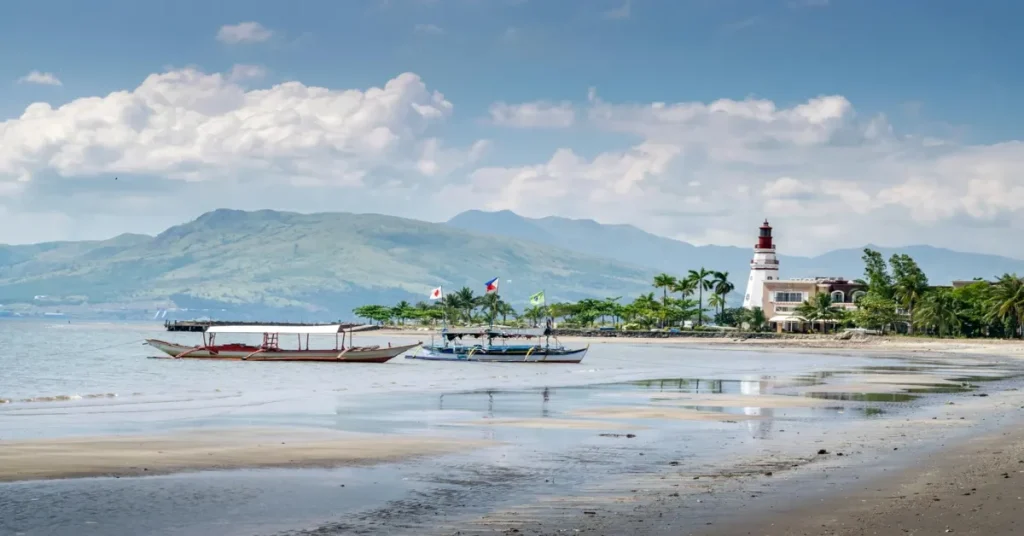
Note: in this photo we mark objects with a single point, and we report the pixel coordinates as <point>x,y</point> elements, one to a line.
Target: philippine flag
<point>492,285</point>
<point>436,294</point>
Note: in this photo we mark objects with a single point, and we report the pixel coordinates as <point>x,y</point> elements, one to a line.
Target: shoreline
<point>871,343</point>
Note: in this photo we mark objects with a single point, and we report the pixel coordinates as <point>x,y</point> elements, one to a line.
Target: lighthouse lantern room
<point>763,267</point>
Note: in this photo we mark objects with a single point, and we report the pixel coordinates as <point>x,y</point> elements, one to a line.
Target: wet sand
<point>740,401</point>
<point>976,488</point>
<point>209,449</point>
<point>666,413</point>
<point>562,424</point>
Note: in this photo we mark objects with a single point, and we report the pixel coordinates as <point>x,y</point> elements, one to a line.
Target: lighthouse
<point>763,267</point>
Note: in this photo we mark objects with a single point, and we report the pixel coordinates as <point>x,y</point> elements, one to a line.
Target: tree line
<point>896,297</point>
<point>646,311</point>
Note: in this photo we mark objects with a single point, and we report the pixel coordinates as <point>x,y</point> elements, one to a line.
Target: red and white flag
<point>436,294</point>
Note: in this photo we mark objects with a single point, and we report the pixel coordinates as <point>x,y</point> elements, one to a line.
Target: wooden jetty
<point>202,325</point>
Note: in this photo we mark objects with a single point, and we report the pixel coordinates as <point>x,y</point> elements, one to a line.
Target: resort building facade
<point>779,298</point>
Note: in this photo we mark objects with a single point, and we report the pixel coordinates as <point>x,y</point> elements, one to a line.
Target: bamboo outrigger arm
<point>189,351</point>
<point>250,354</point>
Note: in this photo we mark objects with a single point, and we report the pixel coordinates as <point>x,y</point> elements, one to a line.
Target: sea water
<point>70,379</point>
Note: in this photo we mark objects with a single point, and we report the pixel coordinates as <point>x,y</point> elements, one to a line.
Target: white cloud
<point>820,171</point>
<point>533,115</point>
<point>428,29</point>
<point>193,126</point>
<point>243,33</point>
<point>36,77</point>
<point>708,172</point>
<point>621,12</point>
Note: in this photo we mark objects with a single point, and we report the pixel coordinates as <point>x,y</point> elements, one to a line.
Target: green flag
<point>537,299</point>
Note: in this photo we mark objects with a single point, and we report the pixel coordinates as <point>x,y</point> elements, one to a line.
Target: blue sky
<point>936,68</point>
<point>950,60</point>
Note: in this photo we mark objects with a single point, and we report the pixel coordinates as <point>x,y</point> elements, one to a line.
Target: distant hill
<point>629,244</point>
<point>279,264</point>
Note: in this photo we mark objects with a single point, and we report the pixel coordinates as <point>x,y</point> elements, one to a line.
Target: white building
<point>763,267</point>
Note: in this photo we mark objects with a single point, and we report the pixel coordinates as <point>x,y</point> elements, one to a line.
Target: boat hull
<point>242,352</point>
<point>513,354</point>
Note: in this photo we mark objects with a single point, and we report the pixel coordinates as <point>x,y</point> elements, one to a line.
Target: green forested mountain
<point>626,243</point>
<point>279,262</point>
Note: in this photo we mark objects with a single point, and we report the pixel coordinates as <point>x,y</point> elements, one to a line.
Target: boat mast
<point>444,320</point>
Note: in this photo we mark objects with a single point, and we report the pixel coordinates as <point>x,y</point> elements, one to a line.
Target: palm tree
<point>755,318</point>
<point>1006,301</point>
<point>402,311</point>
<point>820,308</point>
<point>909,285</point>
<point>612,308</point>
<point>664,282</point>
<point>465,302</point>
<point>716,301</point>
<point>504,309</point>
<point>722,287</point>
<point>492,306</point>
<point>535,314</point>
<point>701,281</point>
<point>938,311</point>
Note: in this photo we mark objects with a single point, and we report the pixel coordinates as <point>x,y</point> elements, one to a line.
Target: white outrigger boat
<point>270,350</point>
<point>489,352</point>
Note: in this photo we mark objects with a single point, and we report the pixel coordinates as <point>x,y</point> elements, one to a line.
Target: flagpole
<point>444,312</point>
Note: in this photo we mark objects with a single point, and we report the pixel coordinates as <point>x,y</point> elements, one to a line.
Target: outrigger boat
<point>489,352</point>
<point>270,350</point>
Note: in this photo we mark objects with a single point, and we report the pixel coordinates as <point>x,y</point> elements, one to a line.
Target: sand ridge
<point>550,423</point>
<point>742,401</point>
<point>209,449</point>
<point>665,413</point>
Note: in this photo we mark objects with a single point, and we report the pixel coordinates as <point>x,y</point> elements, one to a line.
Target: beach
<point>658,436</point>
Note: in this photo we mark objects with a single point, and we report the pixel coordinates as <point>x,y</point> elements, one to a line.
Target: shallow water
<point>69,379</point>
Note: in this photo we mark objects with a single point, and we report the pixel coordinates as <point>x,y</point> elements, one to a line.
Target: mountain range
<point>288,266</point>
<point>629,244</point>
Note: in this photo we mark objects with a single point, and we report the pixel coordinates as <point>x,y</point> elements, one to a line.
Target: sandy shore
<point>976,488</point>
<point>209,449</point>
<point>992,347</point>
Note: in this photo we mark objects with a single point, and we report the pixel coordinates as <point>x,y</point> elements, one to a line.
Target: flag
<point>537,299</point>
<point>492,285</point>
<point>436,294</point>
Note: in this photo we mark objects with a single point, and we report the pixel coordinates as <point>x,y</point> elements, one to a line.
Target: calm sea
<point>68,379</point>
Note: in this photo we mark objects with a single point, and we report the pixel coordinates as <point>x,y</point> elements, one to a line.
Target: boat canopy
<point>493,333</point>
<point>329,329</point>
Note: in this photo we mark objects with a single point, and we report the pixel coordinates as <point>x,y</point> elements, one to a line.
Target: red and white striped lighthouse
<point>763,267</point>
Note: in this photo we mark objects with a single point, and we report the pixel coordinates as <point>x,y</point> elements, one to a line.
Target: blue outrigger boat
<point>452,348</point>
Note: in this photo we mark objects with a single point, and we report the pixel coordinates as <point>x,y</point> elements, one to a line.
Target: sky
<point>844,122</point>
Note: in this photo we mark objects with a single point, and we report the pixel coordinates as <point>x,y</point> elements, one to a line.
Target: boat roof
<point>326,329</point>
<point>495,333</point>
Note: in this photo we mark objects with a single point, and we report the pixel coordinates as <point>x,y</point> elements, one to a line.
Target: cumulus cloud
<point>709,171</point>
<point>194,126</point>
<point>825,174</point>
<point>36,77</point>
<point>533,114</point>
<point>243,33</point>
